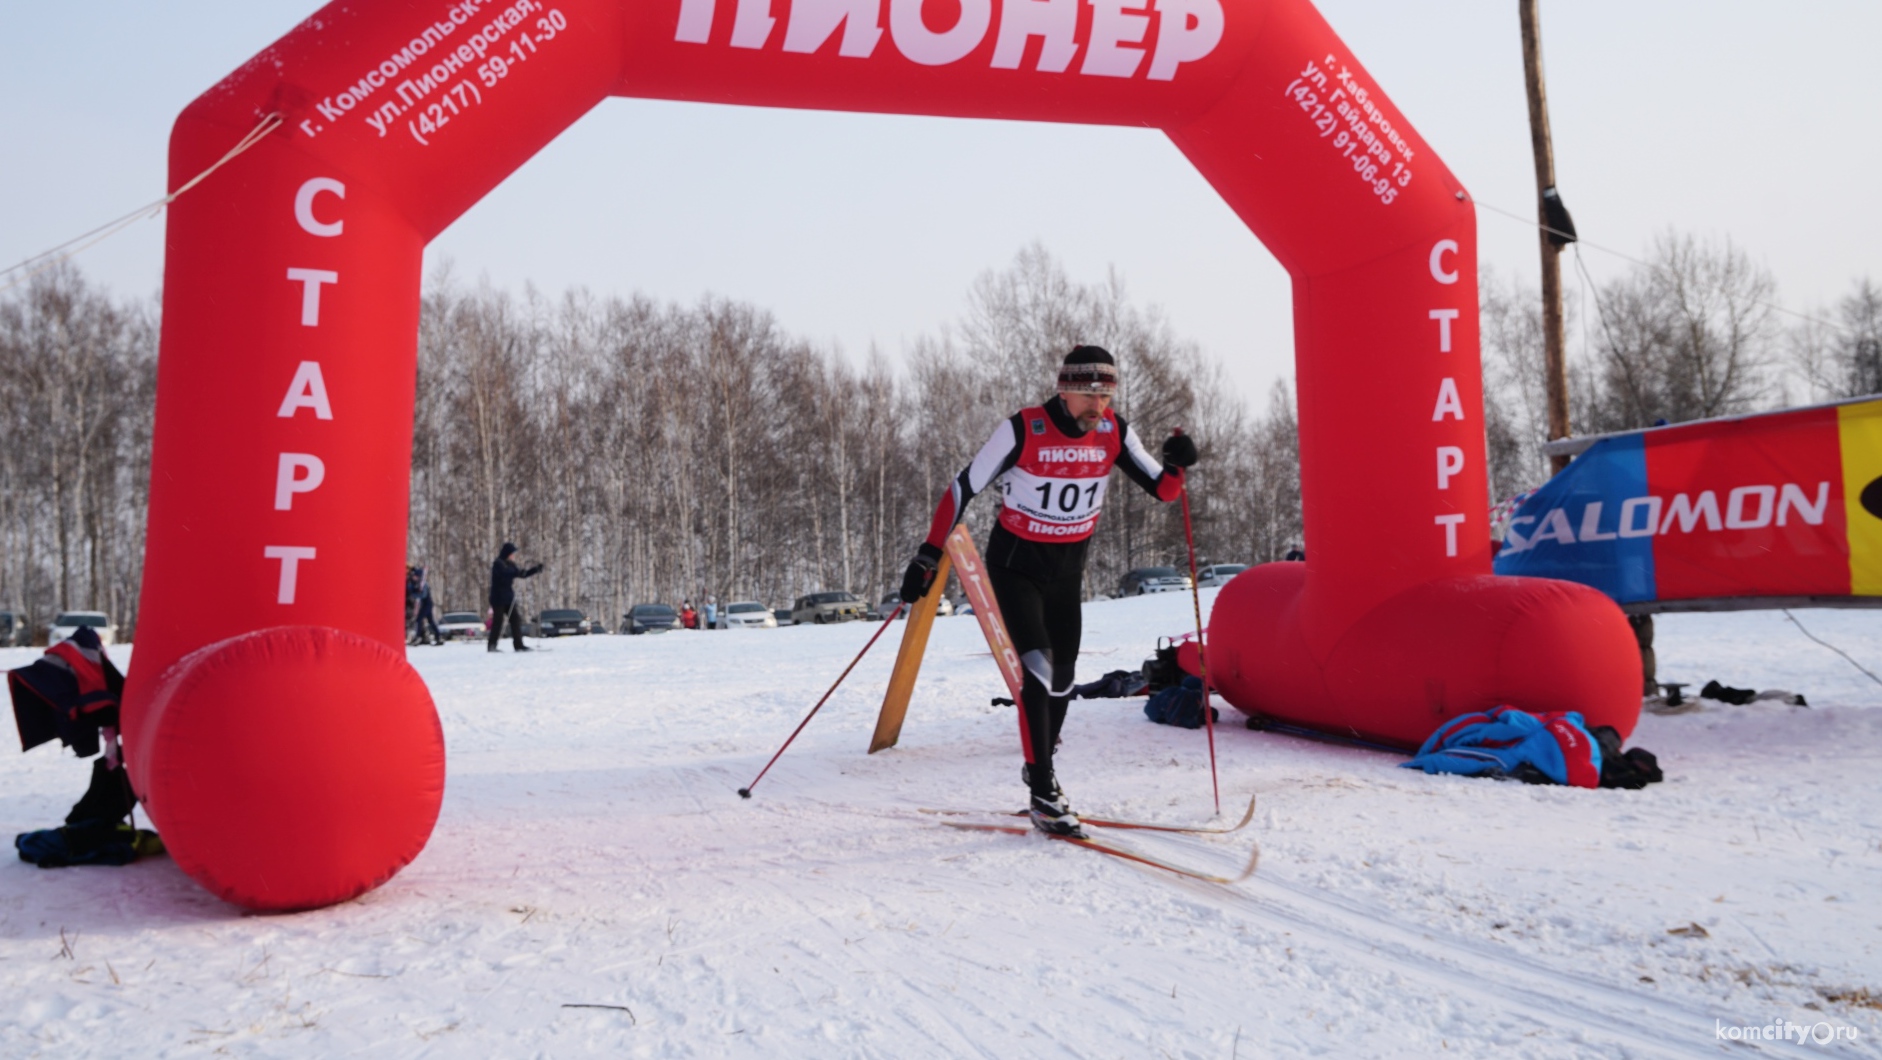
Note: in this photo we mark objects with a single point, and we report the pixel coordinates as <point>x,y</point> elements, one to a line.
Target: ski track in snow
<point>591,851</point>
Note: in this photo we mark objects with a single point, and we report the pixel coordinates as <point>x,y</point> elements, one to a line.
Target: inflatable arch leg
<point>285,747</point>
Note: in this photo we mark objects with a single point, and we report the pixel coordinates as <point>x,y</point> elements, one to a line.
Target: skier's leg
<point>516,628</point>
<point>1040,735</point>
<point>1064,626</point>
<point>1022,605</point>
<point>496,626</point>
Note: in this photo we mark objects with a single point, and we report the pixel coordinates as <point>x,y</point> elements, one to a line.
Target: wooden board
<point>908,661</point>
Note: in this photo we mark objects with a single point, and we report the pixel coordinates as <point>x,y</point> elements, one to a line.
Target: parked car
<point>832,606</point>
<point>650,618</point>
<point>783,617</point>
<point>16,630</point>
<point>1218,574</point>
<point>461,625</point>
<point>561,622</point>
<point>1152,580</point>
<point>597,627</point>
<point>746,614</point>
<point>66,623</point>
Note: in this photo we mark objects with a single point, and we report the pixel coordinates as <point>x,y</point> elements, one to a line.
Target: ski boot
<point>1025,777</point>
<point>1053,815</point>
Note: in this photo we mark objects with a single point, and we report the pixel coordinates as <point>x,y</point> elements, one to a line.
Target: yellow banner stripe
<point>1860,427</point>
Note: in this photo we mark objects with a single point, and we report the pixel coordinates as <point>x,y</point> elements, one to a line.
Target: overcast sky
<point>1723,118</point>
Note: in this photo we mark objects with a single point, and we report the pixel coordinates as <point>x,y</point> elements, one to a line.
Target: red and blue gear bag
<point>1499,741</point>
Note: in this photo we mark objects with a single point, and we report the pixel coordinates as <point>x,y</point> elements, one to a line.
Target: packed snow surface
<point>596,887</point>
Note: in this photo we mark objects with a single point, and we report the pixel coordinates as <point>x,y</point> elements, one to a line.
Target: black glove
<point>1179,450</point>
<point>920,573</point>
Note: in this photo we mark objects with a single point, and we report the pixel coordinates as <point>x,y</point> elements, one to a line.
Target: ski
<point>1115,851</point>
<point>971,572</point>
<point>1138,826</point>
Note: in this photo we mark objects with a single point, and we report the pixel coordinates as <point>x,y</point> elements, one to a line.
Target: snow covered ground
<point>592,852</point>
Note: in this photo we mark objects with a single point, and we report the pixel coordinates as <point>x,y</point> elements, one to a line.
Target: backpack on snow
<point>1160,670</point>
<point>1180,705</point>
<point>95,832</point>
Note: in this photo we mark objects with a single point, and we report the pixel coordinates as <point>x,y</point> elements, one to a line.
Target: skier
<point>1056,459</point>
<point>503,575</point>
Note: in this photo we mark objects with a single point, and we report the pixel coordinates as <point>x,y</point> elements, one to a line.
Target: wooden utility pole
<point>1555,233</point>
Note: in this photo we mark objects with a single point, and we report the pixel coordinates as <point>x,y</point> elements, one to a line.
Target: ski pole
<point>1202,650</point>
<point>745,792</point>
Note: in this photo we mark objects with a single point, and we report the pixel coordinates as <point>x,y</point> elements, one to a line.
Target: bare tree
<point>79,383</point>
<point>1690,337</point>
<point>1846,360</point>
<point>646,451</point>
<point>1515,391</point>
<point>1020,323</point>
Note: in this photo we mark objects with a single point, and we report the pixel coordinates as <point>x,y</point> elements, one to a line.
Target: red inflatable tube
<point>288,752</point>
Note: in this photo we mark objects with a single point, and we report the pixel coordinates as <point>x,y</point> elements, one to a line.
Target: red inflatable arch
<point>287,750</point>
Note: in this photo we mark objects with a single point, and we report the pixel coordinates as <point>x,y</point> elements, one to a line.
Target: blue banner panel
<point>1592,524</point>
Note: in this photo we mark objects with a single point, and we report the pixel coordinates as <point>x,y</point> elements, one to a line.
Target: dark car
<point>1152,580</point>
<point>783,615</point>
<point>942,608</point>
<point>561,622</point>
<point>650,618</point>
<point>834,606</point>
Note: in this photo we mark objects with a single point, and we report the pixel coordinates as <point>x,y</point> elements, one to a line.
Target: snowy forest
<point>646,451</point>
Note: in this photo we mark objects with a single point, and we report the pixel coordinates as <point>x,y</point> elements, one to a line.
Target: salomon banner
<point>1751,511</point>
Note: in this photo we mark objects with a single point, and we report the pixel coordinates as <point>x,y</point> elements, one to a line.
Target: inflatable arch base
<point>293,767</point>
<point>1433,651</point>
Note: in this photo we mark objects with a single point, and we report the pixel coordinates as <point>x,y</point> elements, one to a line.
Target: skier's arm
<point>1163,483</point>
<point>994,459</point>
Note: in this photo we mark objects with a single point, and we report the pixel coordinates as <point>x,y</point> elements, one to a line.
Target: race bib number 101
<point>1062,501</point>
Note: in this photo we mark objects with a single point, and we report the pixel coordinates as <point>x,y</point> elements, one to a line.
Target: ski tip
<point>744,793</point>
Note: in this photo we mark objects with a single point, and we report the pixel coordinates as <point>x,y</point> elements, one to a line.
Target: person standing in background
<point>503,575</point>
<point>424,617</point>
